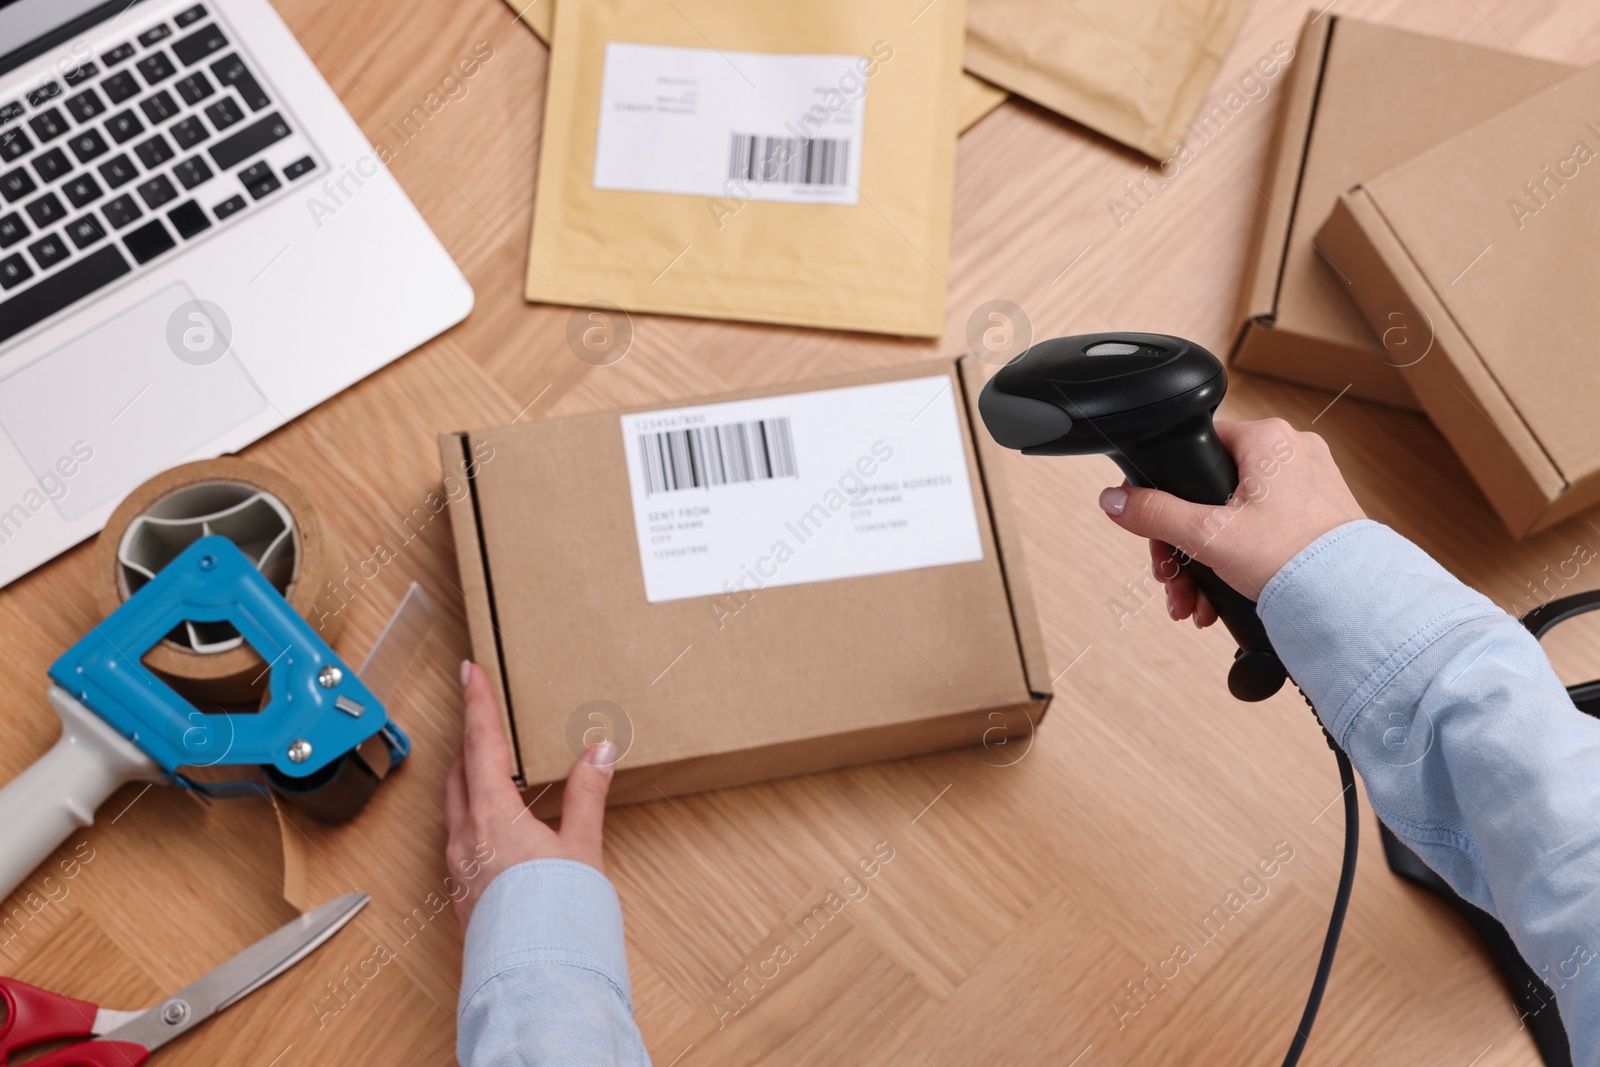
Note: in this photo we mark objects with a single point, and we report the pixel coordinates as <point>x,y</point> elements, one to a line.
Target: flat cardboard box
<point>802,678</point>
<point>1360,98</point>
<point>1486,251</point>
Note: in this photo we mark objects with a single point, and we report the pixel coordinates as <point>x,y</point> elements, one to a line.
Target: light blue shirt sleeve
<point>545,976</point>
<point>1470,748</point>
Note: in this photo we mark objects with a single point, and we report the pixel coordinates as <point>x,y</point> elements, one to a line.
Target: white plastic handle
<point>43,805</point>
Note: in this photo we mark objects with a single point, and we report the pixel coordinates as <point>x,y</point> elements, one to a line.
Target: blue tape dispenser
<point>322,739</point>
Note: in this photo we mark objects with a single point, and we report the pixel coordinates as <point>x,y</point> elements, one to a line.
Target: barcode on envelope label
<point>793,160</point>
<point>704,456</point>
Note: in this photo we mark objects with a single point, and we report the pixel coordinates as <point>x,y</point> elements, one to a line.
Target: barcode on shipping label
<point>813,161</point>
<point>784,128</point>
<point>703,456</point>
<point>800,487</point>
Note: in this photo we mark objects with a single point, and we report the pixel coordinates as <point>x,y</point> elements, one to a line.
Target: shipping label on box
<point>804,487</point>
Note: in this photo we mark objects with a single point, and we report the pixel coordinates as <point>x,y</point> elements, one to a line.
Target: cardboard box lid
<point>560,598</point>
<point>1494,237</point>
<point>1362,98</point>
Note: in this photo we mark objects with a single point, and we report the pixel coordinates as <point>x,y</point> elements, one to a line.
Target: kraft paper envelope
<point>977,97</point>
<point>756,161</point>
<point>538,14</point>
<point>1135,70</point>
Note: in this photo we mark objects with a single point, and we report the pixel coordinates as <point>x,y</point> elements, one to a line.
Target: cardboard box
<point>1360,98</point>
<point>759,677</point>
<point>1484,251</point>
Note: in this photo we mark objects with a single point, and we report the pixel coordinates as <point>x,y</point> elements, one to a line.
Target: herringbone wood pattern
<point>1028,911</point>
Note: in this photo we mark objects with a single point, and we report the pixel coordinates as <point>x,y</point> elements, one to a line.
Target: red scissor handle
<point>34,1015</point>
<point>95,1054</point>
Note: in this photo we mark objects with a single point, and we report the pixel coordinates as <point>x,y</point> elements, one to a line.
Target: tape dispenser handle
<point>44,805</point>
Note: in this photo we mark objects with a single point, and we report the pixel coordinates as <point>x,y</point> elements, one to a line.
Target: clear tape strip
<point>397,647</point>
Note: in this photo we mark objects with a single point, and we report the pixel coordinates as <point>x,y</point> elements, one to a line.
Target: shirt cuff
<point>546,912</point>
<point>1353,609</point>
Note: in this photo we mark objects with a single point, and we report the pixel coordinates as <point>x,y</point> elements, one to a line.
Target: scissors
<point>127,1038</point>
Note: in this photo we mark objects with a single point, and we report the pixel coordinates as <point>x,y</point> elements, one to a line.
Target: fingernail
<point>1172,612</point>
<point>1112,501</point>
<point>466,672</point>
<point>602,755</point>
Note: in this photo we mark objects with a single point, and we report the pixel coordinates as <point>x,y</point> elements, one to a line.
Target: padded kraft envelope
<point>1135,70</point>
<point>751,160</point>
<point>975,99</point>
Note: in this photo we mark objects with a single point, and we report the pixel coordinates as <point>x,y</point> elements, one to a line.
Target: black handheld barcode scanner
<point>1145,400</point>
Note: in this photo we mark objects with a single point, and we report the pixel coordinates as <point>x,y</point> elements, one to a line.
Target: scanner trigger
<point>1256,674</point>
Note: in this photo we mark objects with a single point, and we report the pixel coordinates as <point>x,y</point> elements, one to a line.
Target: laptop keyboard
<point>127,157</point>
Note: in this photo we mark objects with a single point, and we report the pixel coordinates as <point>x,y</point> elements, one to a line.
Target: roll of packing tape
<point>260,510</point>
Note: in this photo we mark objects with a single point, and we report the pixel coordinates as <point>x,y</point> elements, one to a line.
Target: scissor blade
<point>240,976</point>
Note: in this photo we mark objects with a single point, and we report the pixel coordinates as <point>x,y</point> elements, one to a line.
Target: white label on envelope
<point>732,125</point>
<point>741,496</point>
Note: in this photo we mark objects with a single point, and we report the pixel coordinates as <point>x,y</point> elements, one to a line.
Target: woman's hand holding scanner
<point>1290,493</point>
<point>1146,401</point>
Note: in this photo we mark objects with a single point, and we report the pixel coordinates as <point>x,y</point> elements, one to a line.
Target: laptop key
<point>300,167</point>
<point>155,33</point>
<point>224,113</point>
<point>123,125</point>
<point>61,290</point>
<point>188,132</point>
<point>16,184</point>
<point>13,272</point>
<point>154,152</point>
<point>190,15</point>
<point>48,124</point>
<point>156,191</point>
<point>12,112</point>
<point>48,251</point>
<point>84,106</point>
<point>199,44</point>
<point>231,206</point>
<point>85,231</point>
<point>231,151</point>
<point>88,145</point>
<point>194,88</point>
<point>14,143</point>
<point>81,190</point>
<point>47,91</point>
<point>230,70</point>
<point>45,211</point>
<point>188,219</point>
<point>159,108</point>
<point>51,165</point>
<point>120,54</point>
<point>155,68</point>
<point>80,74</point>
<point>258,180</point>
<point>121,211</point>
<point>148,241</point>
<point>120,86</point>
<point>118,170</point>
<point>13,229</point>
<point>191,172</point>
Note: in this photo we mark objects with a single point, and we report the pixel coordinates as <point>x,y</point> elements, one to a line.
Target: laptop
<point>197,244</point>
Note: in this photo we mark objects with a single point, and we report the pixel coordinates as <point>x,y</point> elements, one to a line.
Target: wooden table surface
<point>1021,899</point>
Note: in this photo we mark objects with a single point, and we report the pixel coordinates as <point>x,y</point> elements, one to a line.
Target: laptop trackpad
<point>135,394</point>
